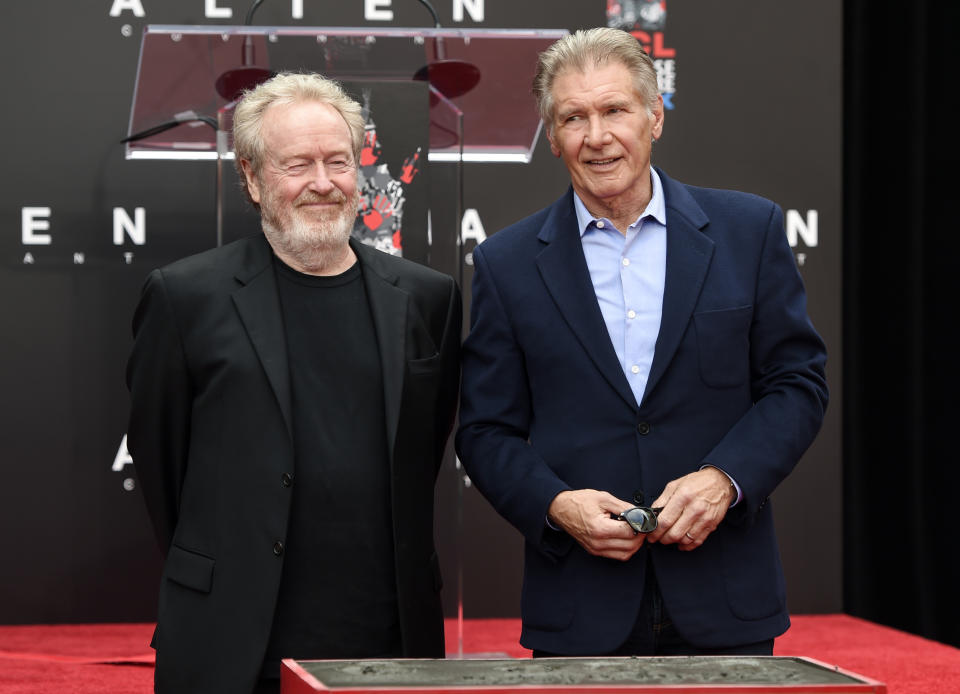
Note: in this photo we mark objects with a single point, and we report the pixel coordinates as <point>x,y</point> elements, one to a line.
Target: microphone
<point>178,119</point>
<point>234,82</point>
<point>449,76</point>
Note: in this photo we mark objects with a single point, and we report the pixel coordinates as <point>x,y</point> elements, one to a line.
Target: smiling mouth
<point>315,203</point>
<point>603,162</point>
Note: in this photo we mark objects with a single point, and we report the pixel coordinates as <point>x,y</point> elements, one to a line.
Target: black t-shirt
<point>338,589</point>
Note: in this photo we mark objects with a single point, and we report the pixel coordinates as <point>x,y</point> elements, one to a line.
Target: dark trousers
<point>654,634</point>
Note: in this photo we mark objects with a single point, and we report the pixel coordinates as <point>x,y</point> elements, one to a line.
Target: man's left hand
<point>693,507</point>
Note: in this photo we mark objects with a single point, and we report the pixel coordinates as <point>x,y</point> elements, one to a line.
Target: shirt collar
<point>656,208</point>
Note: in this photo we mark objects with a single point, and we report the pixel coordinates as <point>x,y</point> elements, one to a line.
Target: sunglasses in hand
<point>643,519</point>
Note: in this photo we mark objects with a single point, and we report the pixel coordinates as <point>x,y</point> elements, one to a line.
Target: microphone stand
<point>221,141</point>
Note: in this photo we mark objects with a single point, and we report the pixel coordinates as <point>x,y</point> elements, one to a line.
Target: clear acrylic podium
<point>180,66</point>
<point>480,108</point>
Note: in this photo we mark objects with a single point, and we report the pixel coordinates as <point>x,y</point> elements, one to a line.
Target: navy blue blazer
<point>737,381</point>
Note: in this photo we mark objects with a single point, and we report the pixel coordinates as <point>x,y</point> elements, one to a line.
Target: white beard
<point>308,243</point>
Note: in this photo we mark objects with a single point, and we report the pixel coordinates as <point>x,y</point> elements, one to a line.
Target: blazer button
<point>278,548</point>
<point>644,428</point>
<point>286,479</point>
<point>638,497</point>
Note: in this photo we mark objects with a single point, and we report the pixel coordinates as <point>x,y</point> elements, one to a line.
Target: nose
<point>597,134</point>
<point>320,182</point>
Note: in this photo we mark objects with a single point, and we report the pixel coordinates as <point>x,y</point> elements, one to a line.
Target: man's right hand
<point>585,515</point>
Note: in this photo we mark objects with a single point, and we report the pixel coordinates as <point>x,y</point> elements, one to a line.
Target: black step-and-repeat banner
<point>752,90</point>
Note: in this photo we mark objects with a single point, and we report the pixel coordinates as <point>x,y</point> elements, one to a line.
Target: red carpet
<point>116,658</point>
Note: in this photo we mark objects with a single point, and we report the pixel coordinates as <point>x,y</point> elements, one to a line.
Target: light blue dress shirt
<point>628,273</point>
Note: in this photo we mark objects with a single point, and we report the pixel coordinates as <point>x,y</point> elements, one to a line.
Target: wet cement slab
<point>556,674</point>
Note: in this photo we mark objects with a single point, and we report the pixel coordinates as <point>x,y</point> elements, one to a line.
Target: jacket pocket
<point>190,569</point>
<point>723,345</point>
<point>548,593</point>
<point>424,367</point>
<point>752,574</point>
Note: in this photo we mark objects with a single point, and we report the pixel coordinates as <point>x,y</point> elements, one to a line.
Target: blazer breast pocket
<point>723,345</point>
<point>424,367</point>
<point>190,569</point>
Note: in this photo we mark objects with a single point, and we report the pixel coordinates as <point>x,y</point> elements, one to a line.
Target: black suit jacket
<point>210,435</point>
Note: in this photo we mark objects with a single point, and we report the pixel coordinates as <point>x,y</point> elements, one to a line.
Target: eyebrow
<point>563,114</point>
<point>296,158</point>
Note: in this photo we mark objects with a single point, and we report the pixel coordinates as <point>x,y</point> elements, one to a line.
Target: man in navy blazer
<point>639,342</point>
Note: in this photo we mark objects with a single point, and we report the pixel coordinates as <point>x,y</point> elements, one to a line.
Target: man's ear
<point>553,145</point>
<point>253,186</point>
<point>658,114</point>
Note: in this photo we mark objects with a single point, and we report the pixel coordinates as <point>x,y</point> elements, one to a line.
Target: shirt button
<point>626,261</point>
<point>644,428</point>
<point>278,548</point>
<point>638,497</point>
<point>631,314</point>
<point>286,479</point>
<point>635,369</point>
<point>600,224</point>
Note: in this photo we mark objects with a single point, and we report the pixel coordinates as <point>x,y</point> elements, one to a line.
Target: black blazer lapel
<point>258,304</point>
<point>689,252</point>
<point>563,268</point>
<point>388,308</point>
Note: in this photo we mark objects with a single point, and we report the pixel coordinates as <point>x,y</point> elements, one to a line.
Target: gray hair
<point>289,88</point>
<point>588,48</point>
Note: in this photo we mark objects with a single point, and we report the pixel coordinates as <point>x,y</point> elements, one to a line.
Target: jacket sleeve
<point>160,404</point>
<point>449,348</point>
<point>495,416</point>
<point>787,376</point>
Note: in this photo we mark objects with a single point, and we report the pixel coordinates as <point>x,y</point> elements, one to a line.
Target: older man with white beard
<point>291,399</point>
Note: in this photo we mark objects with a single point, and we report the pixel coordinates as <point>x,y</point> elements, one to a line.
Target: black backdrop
<point>756,106</point>
<point>900,306</point>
